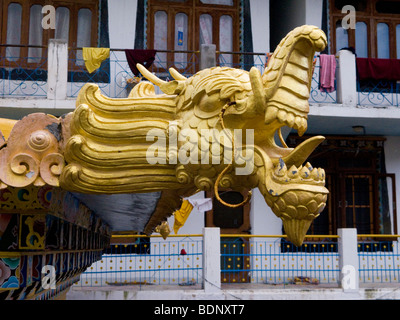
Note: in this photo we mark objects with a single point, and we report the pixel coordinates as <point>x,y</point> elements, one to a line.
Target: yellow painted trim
<point>6,126</point>
<point>378,235</point>
<point>154,236</point>
<point>6,254</point>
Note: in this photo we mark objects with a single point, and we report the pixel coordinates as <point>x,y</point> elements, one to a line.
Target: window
<point>62,24</point>
<point>383,40</point>
<point>35,33</point>
<point>398,41</point>
<point>76,22</point>
<point>225,38</point>
<point>229,220</point>
<point>184,25</point>
<point>84,33</point>
<point>160,36</point>
<point>181,40</point>
<point>362,194</point>
<point>376,33</point>
<point>342,36</point>
<point>361,40</point>
<point>13,35</point>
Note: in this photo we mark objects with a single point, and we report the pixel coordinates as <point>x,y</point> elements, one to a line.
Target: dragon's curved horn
<point>149,76</point>
<point>172,87</point>
<point>257,88</point>
<point>176,75</point>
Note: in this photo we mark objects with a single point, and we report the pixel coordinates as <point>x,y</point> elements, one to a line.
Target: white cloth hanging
<point>201,204</point>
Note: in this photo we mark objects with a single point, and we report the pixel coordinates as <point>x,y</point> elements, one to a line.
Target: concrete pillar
<point>208,58</point>
<point>211,260</point>
<point>348,259</point>
<point>57,69</point>
<point>346,77</point>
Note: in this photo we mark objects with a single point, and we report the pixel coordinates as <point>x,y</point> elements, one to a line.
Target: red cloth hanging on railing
<point>327,72</point>
<point>378,69</point>
<point>144,57</point>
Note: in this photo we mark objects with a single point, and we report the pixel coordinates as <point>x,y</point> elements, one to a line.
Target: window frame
<point>371,17</point>
<point>330,154</point>
<point>73,5</point>
<point>193,9</point>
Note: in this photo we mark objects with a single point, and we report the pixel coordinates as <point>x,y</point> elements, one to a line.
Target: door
<point>357,203</point>
<point>235,259</point>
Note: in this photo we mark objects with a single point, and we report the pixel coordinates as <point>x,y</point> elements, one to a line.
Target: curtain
<point>35,33</point>
<point>342,37</point>
<point>181,36</point>
<point>225,39</point>
<point>382,30</point>
<point>361,40</point>
<point>14,16</point>
<point>160,37</point>
<point>84,33</point>
<point>62,23</point>
<point>398,41</point>
<point>205,29</point>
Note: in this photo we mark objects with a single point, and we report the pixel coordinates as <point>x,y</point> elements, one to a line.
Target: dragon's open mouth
<point>295,190</point>
<point>287,118</point>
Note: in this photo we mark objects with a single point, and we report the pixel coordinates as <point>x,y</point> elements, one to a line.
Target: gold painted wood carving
<point>190,130</point>
<point>32,155</point>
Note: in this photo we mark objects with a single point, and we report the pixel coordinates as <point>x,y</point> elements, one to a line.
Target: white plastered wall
<point>313,12</point>
<point>392,156</point>
<point>259,10</point>
<point>122,23</point>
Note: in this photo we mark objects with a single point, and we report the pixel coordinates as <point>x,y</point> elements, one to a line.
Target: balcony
<point>212,262</point>
<point>58,72</point>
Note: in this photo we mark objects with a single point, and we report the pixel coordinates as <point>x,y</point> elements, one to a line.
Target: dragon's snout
<point>299,198</point>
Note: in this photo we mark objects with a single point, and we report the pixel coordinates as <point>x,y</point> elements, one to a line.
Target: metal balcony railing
<point>244,259</point>
<point>24,71</point>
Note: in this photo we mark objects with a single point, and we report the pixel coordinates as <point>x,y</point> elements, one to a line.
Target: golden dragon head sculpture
<point>223,100</point>
<point>186,137</point>
<point>213,130</point>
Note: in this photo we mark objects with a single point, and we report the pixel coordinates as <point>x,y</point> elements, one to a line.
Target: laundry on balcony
<point>327,72</point>
<point>182,214</point>
<point>93,57</point>
<point>378,69</point>
<point>144,57</point>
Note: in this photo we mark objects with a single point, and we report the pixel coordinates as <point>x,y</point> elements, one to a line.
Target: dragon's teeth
<point>281,170</point>
<point>315,174</point>
<point>297,123</point>
<point>305,173</point>
<point>270,114</point>
<point>293,172</point>
<point>282,116</point>
<point>321,173</point>
<point>303,127</point>
<point>290,119</point>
